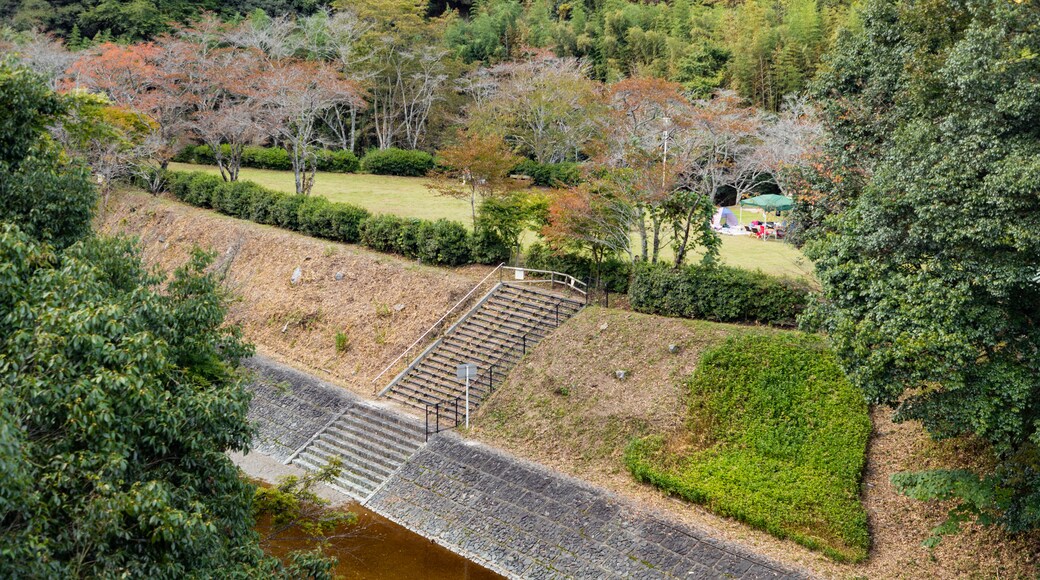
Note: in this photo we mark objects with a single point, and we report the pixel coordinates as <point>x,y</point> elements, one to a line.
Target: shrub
<point>717,293</point>
<point>238,198</point>
<point>340,161</point>
<point>266,158</point>
<point>613,274</point>
<point>342,342</point>
<point>549,174</point>
<point>408,239</point>
<point>276,158</point>
<point>203,155</point>
<point>263,208</point>
<point>487,247</point>
<point>286,211</point>
<point>201,187</point>
<point>178,182</point>
<point>382,233</point>
<point>393,161</point>
<point>443,242</point>
<point>775,437</point>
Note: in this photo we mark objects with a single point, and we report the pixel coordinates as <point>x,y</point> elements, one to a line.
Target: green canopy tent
<point>770,202</point>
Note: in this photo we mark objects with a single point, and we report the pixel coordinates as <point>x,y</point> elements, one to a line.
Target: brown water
<point>377,549</point>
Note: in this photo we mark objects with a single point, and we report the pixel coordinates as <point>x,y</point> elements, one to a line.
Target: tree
<point>545,107</point>
<point>407,71</point>
<point>42,53</point>
<point>148,79</point>
<point>47,194</point>
<point>642,110</point>
<point>930,271</point>
<point>584,219</point>
<point>293,94</point>
<point>293,505</point>
<point>714,148</point>
<point>229,103</point>
<point>478,166</point>
<point>121,393</point>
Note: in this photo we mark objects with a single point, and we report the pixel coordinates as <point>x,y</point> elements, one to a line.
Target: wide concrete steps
<point>494,336</point>
<point>370,443</point>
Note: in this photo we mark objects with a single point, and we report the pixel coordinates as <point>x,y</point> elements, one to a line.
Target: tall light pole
<point>664,161</point>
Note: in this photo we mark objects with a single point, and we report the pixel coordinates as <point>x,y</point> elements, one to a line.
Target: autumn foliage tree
<point>478,166</point>
<point>146,78</point>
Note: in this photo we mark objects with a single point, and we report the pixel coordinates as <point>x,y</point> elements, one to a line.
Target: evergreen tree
<point>931,273</point>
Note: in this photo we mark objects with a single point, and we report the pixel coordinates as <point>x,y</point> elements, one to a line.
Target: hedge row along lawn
<point>775,437</point>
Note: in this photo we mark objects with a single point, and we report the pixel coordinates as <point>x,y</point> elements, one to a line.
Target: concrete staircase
<point>494,335</point>
<point>371,442</point>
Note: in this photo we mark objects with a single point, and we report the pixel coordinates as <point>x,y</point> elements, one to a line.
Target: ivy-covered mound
<point>776,437</point>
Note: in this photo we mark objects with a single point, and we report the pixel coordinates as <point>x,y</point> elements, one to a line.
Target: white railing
<point>553,278</point>
<point>440,320</point>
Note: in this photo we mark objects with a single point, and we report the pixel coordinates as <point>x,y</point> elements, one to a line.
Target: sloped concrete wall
<point>289,407</point>
<point>525,521</point>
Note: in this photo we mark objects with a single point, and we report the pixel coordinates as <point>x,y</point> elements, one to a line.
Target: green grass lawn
<point>403,196</point>
<point>410,197</point>
<point>775,436</point>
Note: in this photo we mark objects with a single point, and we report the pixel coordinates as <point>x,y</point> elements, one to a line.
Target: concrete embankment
<point>512,516</point>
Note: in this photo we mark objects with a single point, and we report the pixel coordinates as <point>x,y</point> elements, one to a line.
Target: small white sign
<point>466,371</point>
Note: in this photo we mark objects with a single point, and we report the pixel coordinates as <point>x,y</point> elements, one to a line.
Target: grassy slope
<point>409,197</point>
<point>564,402</point>
<point>562,407</point>
<point>775,437</point>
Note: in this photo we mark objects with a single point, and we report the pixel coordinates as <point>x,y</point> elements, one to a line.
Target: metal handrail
<point>488,374</point>
<point>567,280</point>
<point>439,321</point>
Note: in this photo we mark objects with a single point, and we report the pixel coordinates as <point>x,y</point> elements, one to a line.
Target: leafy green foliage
<point>105,20</point>
<point>719,293</point>
<point>277,158</point>
<point>50,197</point>
<point>393,161</point>
<point>315,216</point>
<point>775,437</point>
<point>611,274</point>
<point>762,49</point>
<point>549,174</point>
<point>119,397</point>
<point>293,506</point>
<point>125,397</point>
<point>930,275</point>
<point>442,242</point>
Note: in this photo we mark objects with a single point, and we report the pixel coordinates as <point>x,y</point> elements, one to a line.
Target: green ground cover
<point>410,197</point>
<point>775,437</point>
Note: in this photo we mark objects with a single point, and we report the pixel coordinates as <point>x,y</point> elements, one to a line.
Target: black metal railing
<point>452,413</point>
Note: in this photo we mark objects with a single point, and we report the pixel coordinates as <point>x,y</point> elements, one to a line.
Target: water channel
<point>377,549</point>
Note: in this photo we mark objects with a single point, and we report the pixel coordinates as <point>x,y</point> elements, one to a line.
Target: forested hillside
<point>762,49</point>
<point>904,134</point>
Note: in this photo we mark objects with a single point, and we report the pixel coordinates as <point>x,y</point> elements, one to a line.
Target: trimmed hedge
<point>549,174</point>
<point>718,293</point>
<point>441,242</point>
<point>339,161</point>
<point>777,439</point>
<point>435,242</point>
<point>613,273</point>
<point>394,161</point>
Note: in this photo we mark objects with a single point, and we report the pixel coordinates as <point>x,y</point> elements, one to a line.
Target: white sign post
<point>464,372</point>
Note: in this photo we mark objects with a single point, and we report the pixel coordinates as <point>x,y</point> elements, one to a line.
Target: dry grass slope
<point>562,407</point>
<point>299,323</point>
